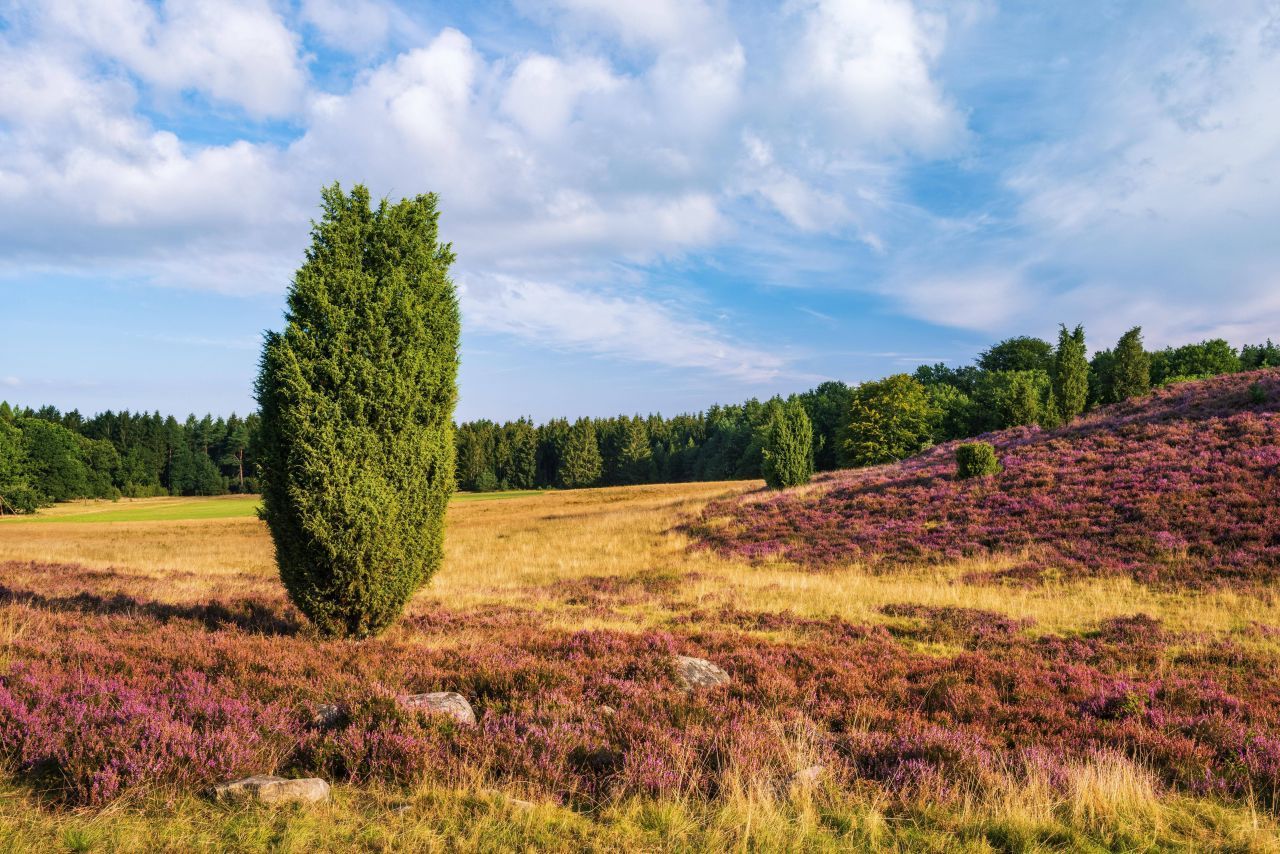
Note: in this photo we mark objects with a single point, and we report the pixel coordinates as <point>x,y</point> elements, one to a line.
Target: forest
<point>49,456</point>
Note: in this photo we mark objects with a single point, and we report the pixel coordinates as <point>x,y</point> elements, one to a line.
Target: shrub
<point>976,459</point>
<point>1257,394</point>
<point>357,396</point>
<point>787,445</point>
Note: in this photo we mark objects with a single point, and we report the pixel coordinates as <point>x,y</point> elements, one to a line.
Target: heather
<point>1177,488</point>
<point>103,697</point>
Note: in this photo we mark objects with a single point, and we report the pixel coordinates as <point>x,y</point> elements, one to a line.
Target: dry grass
<point>524,550</point>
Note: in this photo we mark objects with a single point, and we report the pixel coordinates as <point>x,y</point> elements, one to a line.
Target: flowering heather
<point>100,696</point>
<point>1181,487</point>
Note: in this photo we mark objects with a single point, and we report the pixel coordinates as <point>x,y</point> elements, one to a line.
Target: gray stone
<point>273,790</point>
<point>694,673</point>
<point>327,715</point>
<point>442,702</point>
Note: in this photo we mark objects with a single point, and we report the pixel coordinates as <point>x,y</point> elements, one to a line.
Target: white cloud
<point>237,52</point>
<point>355,28</point>
<point>571,166</point>
<point>543,93</point>
<point>865,66</point>
<point>612,324</point>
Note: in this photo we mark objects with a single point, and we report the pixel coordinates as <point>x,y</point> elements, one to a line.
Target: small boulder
<point>273,790</point>
<point>442,702</point>
<point>693,673</point>
<point>327,715</point>
<point>608,711</point>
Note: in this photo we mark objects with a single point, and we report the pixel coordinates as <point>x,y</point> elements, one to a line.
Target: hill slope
<point>1180,487</point>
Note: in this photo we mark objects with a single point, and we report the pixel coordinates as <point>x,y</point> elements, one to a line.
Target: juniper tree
<point>357,396</point>
<point>1070,374</point>
<point>787,445</point>
<point>1131,367</point>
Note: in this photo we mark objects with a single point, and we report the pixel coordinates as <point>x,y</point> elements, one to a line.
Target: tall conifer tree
<point>1131,371</point>
<point>1070,374</point>
<point>357,396</point>
<point>787,447</point>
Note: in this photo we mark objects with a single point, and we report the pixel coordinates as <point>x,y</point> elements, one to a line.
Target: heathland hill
<point>1179,487</point>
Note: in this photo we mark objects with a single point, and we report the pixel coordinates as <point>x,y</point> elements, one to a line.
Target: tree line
<point>48,456</point>
<point>1019,381</point>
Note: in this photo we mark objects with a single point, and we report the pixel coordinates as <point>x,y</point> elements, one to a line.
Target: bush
<point>357,396</point>
<point>976,459</point>
<point>787,445</point>
<point>20,498</point>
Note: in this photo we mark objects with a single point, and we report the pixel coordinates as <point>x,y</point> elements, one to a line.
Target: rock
<point>519,804</point>
<point>807,776</point>
<point>327,715</point>
<point>608,711</point>
<point>273,790</point>
<point>694,673</point>
<point>442,702</point>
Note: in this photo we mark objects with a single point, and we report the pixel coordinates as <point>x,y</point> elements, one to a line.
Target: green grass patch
<point>187,509</point>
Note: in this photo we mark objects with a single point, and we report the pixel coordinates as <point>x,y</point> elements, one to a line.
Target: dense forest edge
<point>48,456</point>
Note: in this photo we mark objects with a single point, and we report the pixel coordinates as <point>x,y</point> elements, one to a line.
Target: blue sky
<point>655,206</point>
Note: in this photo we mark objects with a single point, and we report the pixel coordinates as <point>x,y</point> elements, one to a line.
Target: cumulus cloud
<point>866,66</point>
<point>239,52</point>
<point>641,137</point>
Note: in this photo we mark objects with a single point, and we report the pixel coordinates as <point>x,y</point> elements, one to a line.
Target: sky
<point>655,206</point>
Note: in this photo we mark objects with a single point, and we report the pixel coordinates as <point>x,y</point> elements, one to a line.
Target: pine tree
<point>1131,371</point>
<point>635,456</point>
<point>580,463</point>
<point>1070,374</point>
<point>787,446</point>
<point>357,396</point>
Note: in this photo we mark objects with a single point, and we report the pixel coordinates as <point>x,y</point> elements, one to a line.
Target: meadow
<point>1079,654</point>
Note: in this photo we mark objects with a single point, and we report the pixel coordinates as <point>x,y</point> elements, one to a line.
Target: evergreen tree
<point>827,407</point>
<point>580,464</point>
<point>1254,356</point>
<point>787,446</point>
<point>357,396</point>
<point>889,420</point>
<point>1070,374</point>
<point>1131,371</point>
<point>519,468</point>
<point>635,455</point>
<point>234,448</point>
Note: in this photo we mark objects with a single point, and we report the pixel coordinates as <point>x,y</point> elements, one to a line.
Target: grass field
<point>186,509</point>
<point>546,605</point>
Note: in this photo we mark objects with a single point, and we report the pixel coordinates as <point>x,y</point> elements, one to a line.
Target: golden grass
<point>523,550</point>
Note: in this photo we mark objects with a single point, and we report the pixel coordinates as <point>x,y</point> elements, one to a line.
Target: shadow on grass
<point>248,615</point>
